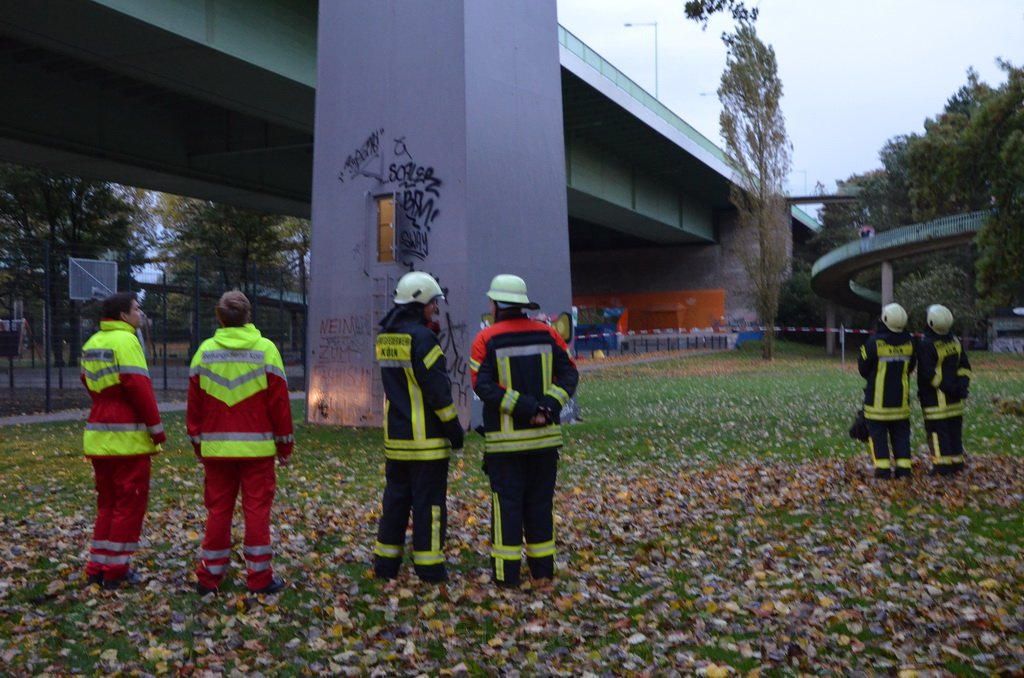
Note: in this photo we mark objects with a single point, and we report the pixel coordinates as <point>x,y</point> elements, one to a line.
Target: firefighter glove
<point>453,431</point>
<point>964,388</point>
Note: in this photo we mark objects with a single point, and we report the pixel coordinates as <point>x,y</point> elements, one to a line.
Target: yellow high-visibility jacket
<point>238,404</point>
<point>124,420</point>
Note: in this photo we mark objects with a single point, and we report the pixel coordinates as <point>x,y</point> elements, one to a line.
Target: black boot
<point>386,568</point>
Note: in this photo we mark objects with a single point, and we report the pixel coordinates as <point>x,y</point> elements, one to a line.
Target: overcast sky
<point>855,73</point>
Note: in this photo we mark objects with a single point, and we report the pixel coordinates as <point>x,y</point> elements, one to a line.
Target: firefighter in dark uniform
<point>943,379</point>
<point>522,372</point>
<point>886,361</point>
<point>421,428</point>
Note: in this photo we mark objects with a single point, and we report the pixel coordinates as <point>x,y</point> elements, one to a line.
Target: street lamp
<point>655,24</point>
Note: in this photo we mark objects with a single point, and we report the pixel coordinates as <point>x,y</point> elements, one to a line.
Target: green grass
<point>709,510</point>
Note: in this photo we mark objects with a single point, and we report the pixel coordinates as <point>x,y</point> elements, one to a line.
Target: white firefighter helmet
<point>894,317</point>
<point>510,289</point>
<point>418,287</point>
<point>940,319</point>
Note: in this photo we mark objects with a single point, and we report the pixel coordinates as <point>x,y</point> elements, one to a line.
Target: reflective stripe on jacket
<point>943,376</point>
<point>516,366</point>
<point>238,405</point>
<point>124,414</point>
<point>886,362</point>
<point>417,391</point>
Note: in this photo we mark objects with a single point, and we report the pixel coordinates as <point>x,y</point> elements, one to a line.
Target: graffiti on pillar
<point>453,338</point>
<point>358,161</point>
<point>343,375</point>
<point>401,148</point>
<point>418,195</point>
<point>416,186</point>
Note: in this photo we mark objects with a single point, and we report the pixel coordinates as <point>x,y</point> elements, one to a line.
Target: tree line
<point>969,158</point>
<point>46,216</point>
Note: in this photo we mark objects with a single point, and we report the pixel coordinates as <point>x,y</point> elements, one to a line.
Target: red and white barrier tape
<point>715,331</point>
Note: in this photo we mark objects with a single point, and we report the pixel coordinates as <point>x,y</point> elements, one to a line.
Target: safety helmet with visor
<point>510,290</point>
<point>894,317</point>
<point>417,287</point>
<point>940,319</point>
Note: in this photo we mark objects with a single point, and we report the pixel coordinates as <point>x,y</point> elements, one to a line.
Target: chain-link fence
<point>44,319</point>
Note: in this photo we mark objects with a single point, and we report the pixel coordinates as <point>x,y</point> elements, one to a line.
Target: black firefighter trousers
<point>522,503</point>
<point>881,433</point>
<point>419,487</point>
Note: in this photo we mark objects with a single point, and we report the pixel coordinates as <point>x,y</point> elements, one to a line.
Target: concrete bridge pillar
<point>830,325</point>
<point>439,148</point>
<point>887,284</point>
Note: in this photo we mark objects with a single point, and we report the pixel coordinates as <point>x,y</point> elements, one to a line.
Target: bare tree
<point>754,130</point>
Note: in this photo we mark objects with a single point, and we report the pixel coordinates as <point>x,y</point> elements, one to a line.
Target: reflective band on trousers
<point>545,548</point>
<point>507,552</point>
<point>427,558</point>
<point>109,560</point>
<point>387,550</point>
<point>117,546</point>
<point>258,550</point>
<point>215,555</point>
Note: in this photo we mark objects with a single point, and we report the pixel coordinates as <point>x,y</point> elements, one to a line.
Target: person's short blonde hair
<point>233,309</point>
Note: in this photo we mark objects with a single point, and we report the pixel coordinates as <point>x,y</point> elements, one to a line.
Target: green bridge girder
<point>215,98</point>
<point>831,275</point>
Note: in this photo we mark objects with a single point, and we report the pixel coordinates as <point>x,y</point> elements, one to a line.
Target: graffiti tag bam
<point>417,190</point>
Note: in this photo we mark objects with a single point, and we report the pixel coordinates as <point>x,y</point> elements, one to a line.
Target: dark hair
<point>233,309</point>
<point>116,304</point>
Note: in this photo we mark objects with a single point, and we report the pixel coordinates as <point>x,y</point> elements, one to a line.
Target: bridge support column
<point>830,325</point>
<point>439,148</point>
<point>887,285</point>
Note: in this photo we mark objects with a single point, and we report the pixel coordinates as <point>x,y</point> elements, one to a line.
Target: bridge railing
<point>944,227</point>
<point>625,83</point>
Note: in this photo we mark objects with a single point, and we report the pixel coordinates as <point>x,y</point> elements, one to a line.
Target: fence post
<point>194,343</point>
<point>842,344</point>
<point>47,321</point>
<point>166,325</point>
<point>255,293</point>
<point>280,305</point>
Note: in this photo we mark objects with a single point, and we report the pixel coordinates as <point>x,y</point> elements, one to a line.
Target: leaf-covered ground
<point>712,518</point>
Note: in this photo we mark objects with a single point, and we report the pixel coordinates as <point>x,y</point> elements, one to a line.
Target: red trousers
<point>257,480</point>
<point>122,495</point>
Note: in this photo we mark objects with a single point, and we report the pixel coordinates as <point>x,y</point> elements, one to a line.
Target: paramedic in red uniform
<point>122,433</point>
<point>239,419</point>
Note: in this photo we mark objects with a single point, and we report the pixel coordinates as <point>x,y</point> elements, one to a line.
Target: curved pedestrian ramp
<point>832,275</point>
